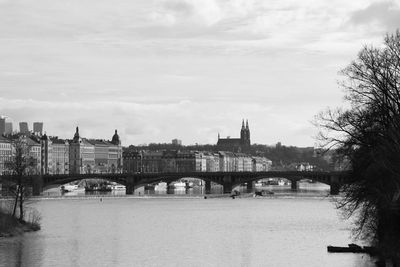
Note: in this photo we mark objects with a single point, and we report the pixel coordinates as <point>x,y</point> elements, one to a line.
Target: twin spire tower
<point>245,133</point>
<point>236,144</point>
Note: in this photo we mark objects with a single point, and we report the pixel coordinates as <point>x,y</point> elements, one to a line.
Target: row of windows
<point>2,145</point>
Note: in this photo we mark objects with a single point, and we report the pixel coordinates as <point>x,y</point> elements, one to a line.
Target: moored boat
<point>118,187</point>
<point>69,187</point>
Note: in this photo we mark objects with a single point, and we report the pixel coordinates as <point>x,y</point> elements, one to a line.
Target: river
<point>280,230</point>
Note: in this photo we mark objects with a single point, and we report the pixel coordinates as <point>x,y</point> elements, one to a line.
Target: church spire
<point>242,123</point>
<point>247,133</point>
<point>76,135</point>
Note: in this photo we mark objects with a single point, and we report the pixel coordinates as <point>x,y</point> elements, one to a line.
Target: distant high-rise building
<point>23,127</point>
<point>2,125</point>
<point>8,128</point>
<point>177,142</point>
<point>38,128</point>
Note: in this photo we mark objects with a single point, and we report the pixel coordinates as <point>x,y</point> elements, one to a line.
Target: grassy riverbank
<point>11,226</point>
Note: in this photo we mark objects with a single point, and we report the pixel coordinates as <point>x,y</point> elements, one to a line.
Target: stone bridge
<point>228,180</point>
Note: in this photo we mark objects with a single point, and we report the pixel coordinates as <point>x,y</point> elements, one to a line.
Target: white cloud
<point>189,69</point>
<point>384,14</point>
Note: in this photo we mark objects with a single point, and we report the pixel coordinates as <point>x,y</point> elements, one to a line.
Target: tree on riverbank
<point>20,166</point>
<point>368,135</point>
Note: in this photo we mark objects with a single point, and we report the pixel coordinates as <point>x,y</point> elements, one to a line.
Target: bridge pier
<point>335,185</point>
<point>170,188</point>
<point>130,188</point>
<point>37,185</point>
<point>335,188</point>
<point>227,188</point>
<point>294,185</point>
<point>207,187</point>
<point>250,187</point>
<point>227,183</point>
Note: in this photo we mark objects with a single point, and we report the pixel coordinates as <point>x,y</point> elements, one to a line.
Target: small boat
<point>179,184</point>
<point>93,188</point>
<point>263,193</point>
<point>272,182</point>
<point>118,187</point>
<point>161,186</point>
<point>353,248</point>
<point>69,187</point>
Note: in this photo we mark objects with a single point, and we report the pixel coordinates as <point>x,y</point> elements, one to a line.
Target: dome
<point>115,139</point>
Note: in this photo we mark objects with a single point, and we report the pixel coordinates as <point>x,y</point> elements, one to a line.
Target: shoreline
<point>207,196</point>
<point>13,227</point>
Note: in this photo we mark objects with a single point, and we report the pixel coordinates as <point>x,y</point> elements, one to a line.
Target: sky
<point>187,69</point>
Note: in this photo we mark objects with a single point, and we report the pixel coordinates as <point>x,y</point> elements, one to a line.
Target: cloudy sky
<point>187,69</point>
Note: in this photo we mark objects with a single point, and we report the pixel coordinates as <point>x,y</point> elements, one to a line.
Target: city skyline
<point>161,70</point>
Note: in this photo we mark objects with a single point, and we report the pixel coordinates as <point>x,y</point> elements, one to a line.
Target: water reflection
<point>21,251</point>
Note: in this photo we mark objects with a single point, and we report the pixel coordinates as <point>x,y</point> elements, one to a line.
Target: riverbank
<point>10,226</point>
<point>180,196</point>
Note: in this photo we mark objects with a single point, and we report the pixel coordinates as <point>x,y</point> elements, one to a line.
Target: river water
<point>279,230</point>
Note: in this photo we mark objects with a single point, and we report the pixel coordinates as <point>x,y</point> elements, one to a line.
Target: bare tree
<point>21,165</point>
<point>368,134</point>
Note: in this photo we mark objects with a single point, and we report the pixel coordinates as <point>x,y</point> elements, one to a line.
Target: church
<point>236,144</point>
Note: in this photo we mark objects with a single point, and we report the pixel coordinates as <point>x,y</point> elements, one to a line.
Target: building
<point>192,161</point>
<point>81,155</point>
<point>38,128</point>
<point>59,156</point>
<point>151,161</point>
<point>185,162</point>
<point>95,155</point>
<point>46,155</point>
<point>2,125</point>
<point>304,166</point>
<point>8,128</point>
<point>236,144</point>
<point>100,156</point>
<point>54,155</point>
<point>212,161</point>
<point>115,160</point>
<point>243,163</point>
<point>34,147</point>
<point>132,161</point>
<point>23,127</point>
<point>200,162</point>
<point>107,155</point>
<point>260,164</point>
<point>31,146</point>
<point>6,153</point>
<point>168,161</point>
<point>177,142</point>
<point>226,161</point>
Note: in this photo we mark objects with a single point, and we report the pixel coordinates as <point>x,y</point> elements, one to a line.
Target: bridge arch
<point>170,179</point>
<point>290,178</point>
